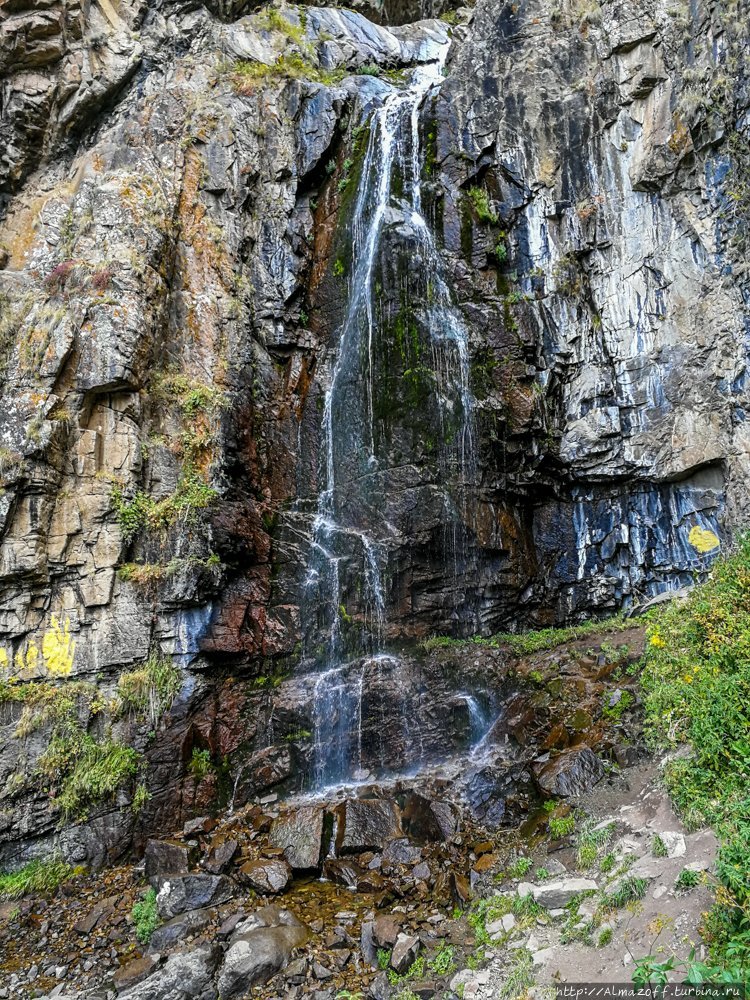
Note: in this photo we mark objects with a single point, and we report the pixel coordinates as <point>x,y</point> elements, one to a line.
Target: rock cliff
<point>178,185</point>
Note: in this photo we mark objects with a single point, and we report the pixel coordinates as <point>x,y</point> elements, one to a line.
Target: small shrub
<point>542,874</point>
<point>687,879</point>
<point>629,890</point>
<point>150,690</point>
<point>605,937</point>
<point>443,963</point>
<point>519,867</point>
<point>338,268</point>
<point>140,797</point>
<point>91,771</point>
<point>480,199</point>
<point>200,763</point>
<point>36,877</point>
<point>658,847</point>
<point>561,826</point>
<point>58,277</point>
<point>145,917</point>
<point>384,958</point>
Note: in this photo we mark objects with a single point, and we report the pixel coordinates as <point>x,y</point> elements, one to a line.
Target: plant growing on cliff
<point>200,764</point>
<point>150,690</point>
<point>142,512</point>
<point>145,917</point>
<point>38,876</point>
<point>88,771</point>
<point>480,200</point>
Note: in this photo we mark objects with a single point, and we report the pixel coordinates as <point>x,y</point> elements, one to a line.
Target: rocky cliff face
<point>178,189</point>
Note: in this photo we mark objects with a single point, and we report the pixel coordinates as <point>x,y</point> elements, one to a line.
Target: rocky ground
<point>409,887</point>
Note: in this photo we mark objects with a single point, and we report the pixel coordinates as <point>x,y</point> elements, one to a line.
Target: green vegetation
<point>339,268</point>
<point>615,711</point>
<point>36,877</point>
<point>443,962</point>
<point>87,771</point>
<point>520,976</point>
<point>384,958</point>
<point>149,691</point>
<point>592,842</point>
<point>145,917</point>
<point>140,797</point>
<point>696,680</point>
<point>480,199</point>
<point>687,879</point>
<point>519,867</point>
<point>561,826</point>
<point>658,847</point>
<point>526,643</point>
<point>289,66</point>
<point>200,763</point>
<point>605,936</point>
<point>143,512</point>
<point>627,891</point>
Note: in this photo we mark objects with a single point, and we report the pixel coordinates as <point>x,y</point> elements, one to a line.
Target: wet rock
<point>425,821</point>
<point>167,857</point>
<point>405,951</point>
<point>185,974</point>
<point>220,858</point>
<point>460,889</point>
<point>401,852</point>
<point>175,930</point>
<point>386,928</point>
<point>267,877</point>
<point>300,835</point>
<point>260,947</point>
<point>367,943</point>
<point>570,773</point>
<point>191,892</point>
<point>134,972</point>
<point>366,825</point>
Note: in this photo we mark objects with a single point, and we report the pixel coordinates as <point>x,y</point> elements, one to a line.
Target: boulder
<point>366,825</point>
<point>570,773</point>
<point>386,928</point>
<point>191,892</point>
<point>185,974</point>
<point>260,947</point>
<point>220,857</point>
<point>175,930</point>
<point>405,952</point>
<point>401,852</point>
<point>557,893</point>
<point>299,834</point>
<point>267,876</point>
<point>167,857</point>
<point>134,972</point>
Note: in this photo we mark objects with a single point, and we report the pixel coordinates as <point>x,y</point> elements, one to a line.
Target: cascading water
<point>351,532</point>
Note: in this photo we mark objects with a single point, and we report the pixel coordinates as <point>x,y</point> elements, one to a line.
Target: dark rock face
<point>300,836</point>
<point>173,275</point>
<point>570,773</point>
<point>181,893</point>
<point>366,825</point>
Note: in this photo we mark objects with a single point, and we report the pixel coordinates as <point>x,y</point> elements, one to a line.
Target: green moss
<point>38,876</point>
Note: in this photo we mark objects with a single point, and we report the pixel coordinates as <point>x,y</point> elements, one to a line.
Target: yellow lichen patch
<point>58,648</point>
<point>703,540</point>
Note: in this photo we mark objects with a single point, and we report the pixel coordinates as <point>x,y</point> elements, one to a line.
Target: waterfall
<point>351,533</point>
